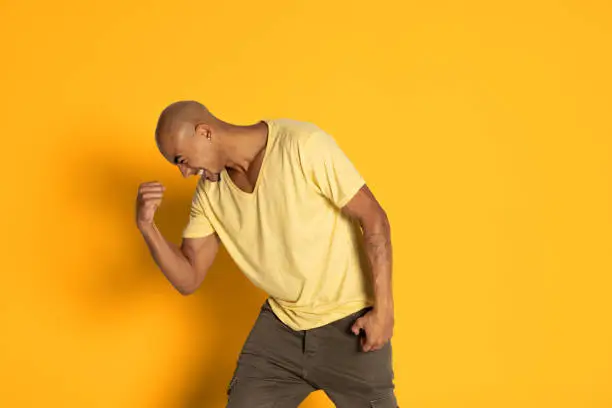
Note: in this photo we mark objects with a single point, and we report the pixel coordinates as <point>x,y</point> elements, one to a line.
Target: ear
<point>204,130</point>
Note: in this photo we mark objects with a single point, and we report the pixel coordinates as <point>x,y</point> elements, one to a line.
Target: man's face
<point>194,151</point>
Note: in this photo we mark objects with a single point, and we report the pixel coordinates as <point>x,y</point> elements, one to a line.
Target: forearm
<point>169,258</point>
<point>377,243</point>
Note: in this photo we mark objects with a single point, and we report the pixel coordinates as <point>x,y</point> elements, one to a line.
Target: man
<point>300,222</point>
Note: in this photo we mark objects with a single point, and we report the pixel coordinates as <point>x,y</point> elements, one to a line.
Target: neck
<point>244,144</point>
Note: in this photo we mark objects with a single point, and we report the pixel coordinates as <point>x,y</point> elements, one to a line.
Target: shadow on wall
<point>227,303</point>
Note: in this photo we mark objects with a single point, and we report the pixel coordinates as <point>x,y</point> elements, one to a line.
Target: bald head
<point>187,136</point>
<point>179,115</point>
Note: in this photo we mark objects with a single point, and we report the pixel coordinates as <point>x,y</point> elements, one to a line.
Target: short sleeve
<point>329,170</point>
<point>198,224</point>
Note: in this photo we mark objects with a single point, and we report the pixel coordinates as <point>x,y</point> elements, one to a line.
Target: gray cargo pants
<point>278,367</point>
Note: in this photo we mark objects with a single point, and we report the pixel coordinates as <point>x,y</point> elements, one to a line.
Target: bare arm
<point>377,245</point>
<point>184,266</point>
<point>377,242</point>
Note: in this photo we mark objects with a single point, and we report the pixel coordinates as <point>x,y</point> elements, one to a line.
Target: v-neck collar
<point>230,182</point>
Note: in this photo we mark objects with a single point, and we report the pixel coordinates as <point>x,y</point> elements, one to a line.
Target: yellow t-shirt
<point>288,236</point>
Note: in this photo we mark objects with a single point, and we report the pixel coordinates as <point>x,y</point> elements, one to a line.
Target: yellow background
<point>483,129</point>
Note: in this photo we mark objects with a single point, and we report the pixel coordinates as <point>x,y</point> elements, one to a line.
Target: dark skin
<point>246,181</point>
<point>195,141</point>
<point>378,323</point>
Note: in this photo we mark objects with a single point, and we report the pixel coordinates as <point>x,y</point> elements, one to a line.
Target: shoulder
<point>299,135</point>
<point>293,130</point>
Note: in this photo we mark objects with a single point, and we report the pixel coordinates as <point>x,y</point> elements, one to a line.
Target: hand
<point>378,327</point>
<point>149,198</point>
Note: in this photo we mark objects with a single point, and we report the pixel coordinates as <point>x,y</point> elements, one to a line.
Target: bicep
<point>201,252</point>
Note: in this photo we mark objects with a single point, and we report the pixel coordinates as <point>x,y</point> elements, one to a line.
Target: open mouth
<point>208,175</point>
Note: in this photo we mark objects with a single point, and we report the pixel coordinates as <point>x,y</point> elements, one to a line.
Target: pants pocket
<point>345,324</point>
<point>385,402</point>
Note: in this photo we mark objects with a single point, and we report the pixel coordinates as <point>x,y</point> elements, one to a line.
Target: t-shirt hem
<point>197,234</point>
<point>348,308</point>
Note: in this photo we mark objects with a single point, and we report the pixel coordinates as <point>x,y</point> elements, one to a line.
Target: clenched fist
<point>150,195</point>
